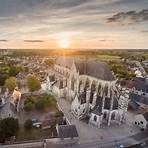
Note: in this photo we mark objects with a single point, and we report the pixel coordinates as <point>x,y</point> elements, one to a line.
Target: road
<point>94,144</point>
<point>51,143</point>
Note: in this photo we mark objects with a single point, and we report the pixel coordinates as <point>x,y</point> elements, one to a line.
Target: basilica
<point>91,88</point>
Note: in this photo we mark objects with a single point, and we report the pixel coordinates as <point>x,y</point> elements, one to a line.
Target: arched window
<point>106,90</point>
<point>87,84</point>
<point>83,110</point>
<point>113,116</point>
<point>72,83</point>
<point>99,87</point>
<point>93,88</point>
<point>95,118</point>
<point>105,115</point>
<point>80,85</point>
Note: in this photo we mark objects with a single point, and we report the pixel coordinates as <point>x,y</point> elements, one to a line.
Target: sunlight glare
<point>64,43</point>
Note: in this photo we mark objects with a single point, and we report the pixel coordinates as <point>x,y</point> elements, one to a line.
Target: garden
<point>37,118</point>
<point>43,103</point>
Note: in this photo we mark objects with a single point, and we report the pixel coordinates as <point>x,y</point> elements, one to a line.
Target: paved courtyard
<point>90,133</point>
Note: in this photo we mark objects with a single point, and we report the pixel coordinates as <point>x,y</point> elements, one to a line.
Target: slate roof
<point>82,97</point>
<point>134,105</point>
<point>67,131</point>
<point>140,84</point>
<point>59,84</point>
<point>98,107</point>
<point>138,98</point>
<point>97,111</point>
<point>52,78</point>
<point>107,103</point>
<point>89,67</point>
<point>146,116</point>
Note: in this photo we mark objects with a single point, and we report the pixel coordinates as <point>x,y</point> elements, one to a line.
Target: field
<point>109,58</point>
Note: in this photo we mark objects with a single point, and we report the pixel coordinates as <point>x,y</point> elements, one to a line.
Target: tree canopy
<point>121,70</point>
<point>7,71</point>
<point>8,128</point>
<point>33,83</point>
<point>50,62</point>
<point>11,83</point>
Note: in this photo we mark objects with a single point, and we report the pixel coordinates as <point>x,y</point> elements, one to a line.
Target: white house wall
<point>140,118</point>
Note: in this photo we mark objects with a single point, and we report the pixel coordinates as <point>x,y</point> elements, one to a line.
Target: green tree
<point>33,83</point>
<point>8,128</point>
<point>40,104</point>
<point>11,83</point>
<point>28,106</point>
<point>29,99</point>
<point>3,77</point>
<point>50,62</point>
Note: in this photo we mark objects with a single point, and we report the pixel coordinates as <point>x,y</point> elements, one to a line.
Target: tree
<point>40,104</point>
<point>50,62</point>
<point>33,83</point>
<point>28,124</point>
<point>28,106</point>
<point>11,83</point>
<point>3,77</point>
<point>8,128</point>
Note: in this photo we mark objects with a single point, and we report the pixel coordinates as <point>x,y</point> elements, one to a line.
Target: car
<point>120,146</point>
<point>34,120</point>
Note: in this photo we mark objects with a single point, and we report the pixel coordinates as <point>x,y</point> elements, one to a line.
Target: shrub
<point>33,83</point>
<point>28,124</point>
<point>8,127</point>
<point>40,104</point>
<point>28,100</point>
<point>28,107</point>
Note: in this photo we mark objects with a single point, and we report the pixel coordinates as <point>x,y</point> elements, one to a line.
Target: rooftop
<point>67,131</point>
<point>89,67</point>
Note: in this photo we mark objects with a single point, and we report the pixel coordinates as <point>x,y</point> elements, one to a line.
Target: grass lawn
<point>35,134</point>
<point>109,58</point>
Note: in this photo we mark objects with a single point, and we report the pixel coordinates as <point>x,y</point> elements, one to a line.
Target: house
<point>89,86</point>
<point>138,101</point>
<point>67,132</point>
<point>141,120</point>
<point>15,100</point>
<point>140,85</point>
<point>138,73</point>
<point>2,102</point>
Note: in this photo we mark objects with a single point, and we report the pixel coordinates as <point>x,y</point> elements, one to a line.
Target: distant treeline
<point>123,53</point>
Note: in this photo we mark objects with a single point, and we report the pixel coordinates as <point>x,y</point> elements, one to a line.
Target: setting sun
<point>64,43</point>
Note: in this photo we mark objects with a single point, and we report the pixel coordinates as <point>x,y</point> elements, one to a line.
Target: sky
<point>90,24</point>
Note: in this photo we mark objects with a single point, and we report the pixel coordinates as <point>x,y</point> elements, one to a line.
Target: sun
<point>64,43</point>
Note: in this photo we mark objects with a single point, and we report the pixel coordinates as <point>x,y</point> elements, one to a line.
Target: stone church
<point>91,88</point>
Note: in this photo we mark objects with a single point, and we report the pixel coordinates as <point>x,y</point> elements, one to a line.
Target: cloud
<point>2,40</point>
<point>129,17</point>
<point>144,31</point>
<point>33,41</point>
